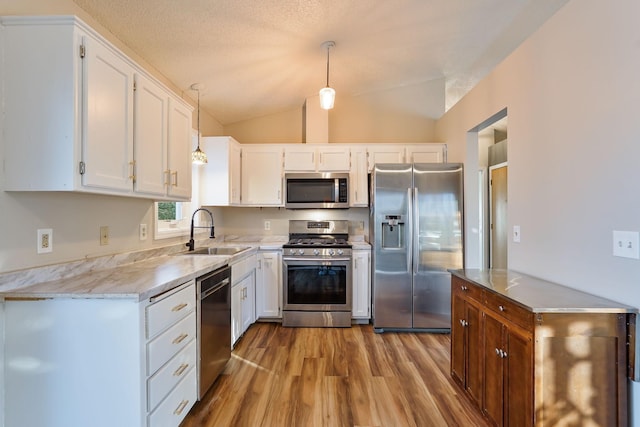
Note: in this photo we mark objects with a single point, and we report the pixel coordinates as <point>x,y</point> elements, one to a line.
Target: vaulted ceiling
<point>258,57</point>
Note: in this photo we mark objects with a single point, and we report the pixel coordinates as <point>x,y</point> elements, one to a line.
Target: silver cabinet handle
<point>498,351</point>
<point>501,307</point>
<point>464,288</point>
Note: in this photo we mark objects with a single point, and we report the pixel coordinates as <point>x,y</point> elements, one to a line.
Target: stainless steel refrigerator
<point>416,229</point>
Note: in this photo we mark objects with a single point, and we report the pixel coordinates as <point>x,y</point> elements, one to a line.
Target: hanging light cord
<point>328,48</point>
<point>198,90</point>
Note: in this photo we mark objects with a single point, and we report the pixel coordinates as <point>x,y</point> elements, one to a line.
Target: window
<point>173,219</point>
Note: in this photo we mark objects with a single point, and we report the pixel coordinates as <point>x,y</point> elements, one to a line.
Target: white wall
<point>572,91</point>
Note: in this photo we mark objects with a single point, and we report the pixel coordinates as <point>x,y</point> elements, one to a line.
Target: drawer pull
<point>180,369</point>
<point>179,306</point>
<point>501,307</point>
<point>464,288</point>
<point>181,407</point>
<point>181,338</point>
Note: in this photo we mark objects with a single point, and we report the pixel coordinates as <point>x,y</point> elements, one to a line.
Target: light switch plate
<point>625,244</point>
<point>516,233</point>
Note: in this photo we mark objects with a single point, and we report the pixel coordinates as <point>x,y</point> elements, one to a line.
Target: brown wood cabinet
<point>532,353</point>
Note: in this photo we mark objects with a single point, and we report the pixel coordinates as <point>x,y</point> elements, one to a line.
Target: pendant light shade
<point>327,94</point>
<point>198,157</point>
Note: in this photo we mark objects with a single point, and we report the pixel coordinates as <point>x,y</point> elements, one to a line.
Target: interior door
<point>498,217</point>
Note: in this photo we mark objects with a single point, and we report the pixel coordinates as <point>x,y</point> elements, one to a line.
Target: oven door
<point>311,284</point>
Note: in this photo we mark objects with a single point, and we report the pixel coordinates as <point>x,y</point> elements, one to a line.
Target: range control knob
<point>316,252</point>
<point>292,251</point>
<point>332,252</point>
<point>300,251</point>
<point>340,251</point>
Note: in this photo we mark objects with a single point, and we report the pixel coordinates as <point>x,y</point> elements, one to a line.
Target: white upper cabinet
<point>426,153</point>
<point>151,110</point>
<point>316,158</point>
<point>358,177</point>
<point>107,149</point>
<point>220,177</point>
<point>262,175</point>
<point>385,153</point>
<point>70,119</point>
<point>299,158</point>
<point>179,158</point>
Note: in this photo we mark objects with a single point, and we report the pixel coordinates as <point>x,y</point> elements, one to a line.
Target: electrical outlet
<point>625,244</point>
<point>143,231</point>
<point>45,240</point>
<point>267,225</point>
<point>104,235</point>
<point>516,233</point>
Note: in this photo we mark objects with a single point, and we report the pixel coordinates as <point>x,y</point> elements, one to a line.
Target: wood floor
<point>335,377</point>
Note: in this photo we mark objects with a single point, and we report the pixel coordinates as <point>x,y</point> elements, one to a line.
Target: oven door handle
<point>322,260</point>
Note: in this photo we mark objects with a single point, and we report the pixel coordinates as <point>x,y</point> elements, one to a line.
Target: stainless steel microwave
<point>316,190</point>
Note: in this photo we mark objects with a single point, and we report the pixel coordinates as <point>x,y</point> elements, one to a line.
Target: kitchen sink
<point>222,250</point>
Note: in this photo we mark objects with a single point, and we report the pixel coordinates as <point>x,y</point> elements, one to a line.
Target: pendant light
<point>198,157</point>
<point>327,94</point>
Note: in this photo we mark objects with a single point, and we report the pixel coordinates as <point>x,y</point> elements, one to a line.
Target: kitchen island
<point>531,352</point>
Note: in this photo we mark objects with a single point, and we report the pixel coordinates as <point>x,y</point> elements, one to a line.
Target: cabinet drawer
<point>167,344</point>
<point>240,269</point>
<point>509,310</point>
<point>161,383</point>
<point>175,407</point>
<point>169,310</point>
<point>464,288</point>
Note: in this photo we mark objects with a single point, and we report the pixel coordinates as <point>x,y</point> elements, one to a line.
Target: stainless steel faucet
<point>191,244</point>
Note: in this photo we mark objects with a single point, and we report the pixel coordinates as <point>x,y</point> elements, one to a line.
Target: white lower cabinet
<point>361,260</point>
<point>243,285</point>
<point>269,285</point>
<point>100,362</point>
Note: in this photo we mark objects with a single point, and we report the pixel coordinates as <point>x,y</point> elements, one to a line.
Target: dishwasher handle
<point>214,288</point>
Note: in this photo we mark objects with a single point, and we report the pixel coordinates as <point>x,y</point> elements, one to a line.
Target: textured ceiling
<point>257,57</point>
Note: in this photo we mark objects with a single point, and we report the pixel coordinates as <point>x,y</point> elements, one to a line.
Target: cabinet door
<point>361,285</point>
<point>107,148</point>
<point>150,142</point>
<point>179,143</point>
<point>262,176</point>
<point>248,302</point>
<point>220,177</point>
<point>426,153</point>
<point>333,159</point>
<point>236,313</point>
<point>384,154</point>
<point>493,390</point>
<point>269,286</point>
<point>458,337</point>
<point>300,158</point>
<point>234,173</point>
<point>518,379</point>
<point>358,178</point>
<point>466,345</point>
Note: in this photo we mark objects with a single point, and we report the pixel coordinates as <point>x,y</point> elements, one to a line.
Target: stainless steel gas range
<point>317,274</point>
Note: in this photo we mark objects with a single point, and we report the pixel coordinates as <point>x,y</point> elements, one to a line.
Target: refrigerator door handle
<point>415,231</point>
<point>409,230</point>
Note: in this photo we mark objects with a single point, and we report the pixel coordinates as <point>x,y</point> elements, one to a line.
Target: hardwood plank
<point>335,377</point>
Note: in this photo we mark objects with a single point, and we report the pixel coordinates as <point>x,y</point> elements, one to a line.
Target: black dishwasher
<point>214,327</point>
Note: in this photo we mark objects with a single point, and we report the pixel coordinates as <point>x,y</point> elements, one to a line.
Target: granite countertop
<point>541,296</point>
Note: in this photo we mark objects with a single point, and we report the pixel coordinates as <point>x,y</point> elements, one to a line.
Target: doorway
<point>498,216</point>
<point>486,241</point>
